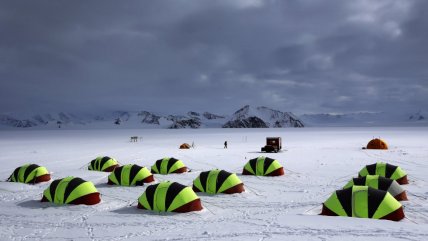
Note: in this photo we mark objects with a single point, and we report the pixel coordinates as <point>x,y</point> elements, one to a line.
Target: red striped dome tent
<point>71,190</point>
<point>169,197</point>
<point>385,170</point>
<point>363,202</point>
<point>381,183</point>
<point>218,181</point>
<point>168,165</point>
<point>263,166</point>
<point>103,164</point>
<point>130,175</point>
<point>30,174</point>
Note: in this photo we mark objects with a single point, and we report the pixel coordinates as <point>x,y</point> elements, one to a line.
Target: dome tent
<point>263,166</point>
<point>130,175</point>
<point>103,164</point>
<point>381,183</point>
<point>168,165</point>
<point>218,181</point>
<point>377,144</point>
<point>185,146</point>
<point>30,174</point>
<point>363,202</point>
<point>385,170</point>
<point>71,190</point>
<point>169,197</point>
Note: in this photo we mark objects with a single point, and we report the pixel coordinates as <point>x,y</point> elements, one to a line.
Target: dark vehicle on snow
<point>273,144</point>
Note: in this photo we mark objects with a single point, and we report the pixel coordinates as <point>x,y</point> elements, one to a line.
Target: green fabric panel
<point>275,165</point>
<point>12,177</point>
<point>380,169</point>
<point>164,166</point>
<point>160,196</point>
<point>363,172</point>
<point>260,166</point>
<point>212,182</point>
<point>334,205</point>
<point>42,171</point>
<point>36,173</point>
<point>141,175</point>
<point>399,173</point>
<point>97,163</point>
<point>360,202</point>
<point>60,190</point>
<point>155,168</point>
<point>388,205</point>
<point>112,178</point>
<point>81,190</point>
<point>99,167</point>
<point>31,176</point>
<point>21,173</point>
<point>108,164</point>
<point>126,171</point>
<point>47,194</point>
<point>91,164</point>
<point>177,165</point>
<point>98,160</point>
<point>248,168</point>
<point>197,183</point>
<point>349,184</point>
<point>184,197</point>
<point>372,181</point>
<point>145,172</point>
<point>231,181</point>
<point>143,201</point>
<point>15,174</point>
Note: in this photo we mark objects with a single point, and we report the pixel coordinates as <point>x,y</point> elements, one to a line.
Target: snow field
<point>317,161</point>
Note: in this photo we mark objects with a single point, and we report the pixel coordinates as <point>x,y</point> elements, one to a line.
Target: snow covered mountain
<point>53,120</point>
<point>262,117</point>
<point>116,119</point>
<point>6,120</point>
<point>246,117</point>
<point>418,116</point>
<point>366,119</point>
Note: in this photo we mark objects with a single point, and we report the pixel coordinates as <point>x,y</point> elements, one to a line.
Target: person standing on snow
<point>225,145</point>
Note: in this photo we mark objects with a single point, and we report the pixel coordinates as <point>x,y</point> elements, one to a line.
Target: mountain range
<point>245,117</point>
<point>367,119</point>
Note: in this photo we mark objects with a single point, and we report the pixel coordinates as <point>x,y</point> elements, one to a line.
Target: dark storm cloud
<point>302,56</point>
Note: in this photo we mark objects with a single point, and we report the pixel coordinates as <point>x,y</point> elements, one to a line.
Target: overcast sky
<point>305,56</point>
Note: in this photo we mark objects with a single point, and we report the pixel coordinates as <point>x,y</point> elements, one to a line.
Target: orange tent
<point>184,146</point>
<point>377,144</point>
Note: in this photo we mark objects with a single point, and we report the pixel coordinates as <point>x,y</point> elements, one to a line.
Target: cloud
<point>309,56</point>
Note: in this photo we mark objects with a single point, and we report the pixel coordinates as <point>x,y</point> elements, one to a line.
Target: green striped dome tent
<point>71,190</point>
<point>168,165</point>
<point>363,202</point>
<point>130,175</point>
<point>169,197</point>
<point>30,173</point>
<point>385,170</point>
<point>103,164</point>
<point>381,183</point>
<point>218,181</point>
<point>263,166</point>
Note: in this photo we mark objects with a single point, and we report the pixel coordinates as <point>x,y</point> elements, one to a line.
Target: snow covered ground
<point>317,161</point>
